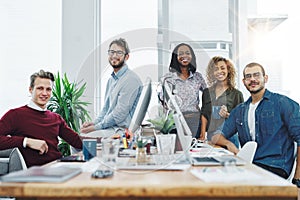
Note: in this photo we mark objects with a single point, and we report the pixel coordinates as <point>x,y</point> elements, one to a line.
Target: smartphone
<point>102,173</point>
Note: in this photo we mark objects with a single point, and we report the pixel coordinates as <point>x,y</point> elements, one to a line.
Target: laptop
<point>208,158</point>
<point>42,174</point>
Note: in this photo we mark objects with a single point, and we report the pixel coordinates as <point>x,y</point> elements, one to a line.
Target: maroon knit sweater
<point>45,125</point>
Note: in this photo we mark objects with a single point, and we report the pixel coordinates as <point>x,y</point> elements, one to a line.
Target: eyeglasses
<point>255,75</point>
<point>118,53</point>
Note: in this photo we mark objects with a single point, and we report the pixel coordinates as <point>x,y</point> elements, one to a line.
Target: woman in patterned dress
<point>186,84</point>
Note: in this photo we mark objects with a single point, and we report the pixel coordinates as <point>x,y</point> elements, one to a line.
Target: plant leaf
<point>66,102</point>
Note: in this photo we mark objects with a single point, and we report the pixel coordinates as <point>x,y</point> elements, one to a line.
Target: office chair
<point>247,152</point>
<point>11,160</point>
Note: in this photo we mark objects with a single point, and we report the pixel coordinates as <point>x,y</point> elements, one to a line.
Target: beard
<point>255,91</point>
<point>115,66</point>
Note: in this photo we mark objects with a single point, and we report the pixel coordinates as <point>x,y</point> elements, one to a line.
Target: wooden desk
<point>152,185</point>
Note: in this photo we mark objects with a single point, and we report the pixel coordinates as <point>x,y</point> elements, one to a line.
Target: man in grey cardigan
<point>122,93</point>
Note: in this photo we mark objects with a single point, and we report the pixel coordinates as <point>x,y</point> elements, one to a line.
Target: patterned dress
<point>187,94</point>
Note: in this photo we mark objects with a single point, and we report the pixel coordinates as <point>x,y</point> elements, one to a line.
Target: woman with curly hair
<point>220,98</point>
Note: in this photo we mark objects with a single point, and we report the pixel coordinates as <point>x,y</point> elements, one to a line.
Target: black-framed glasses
<point>118,53</point>
<point>255,75</point>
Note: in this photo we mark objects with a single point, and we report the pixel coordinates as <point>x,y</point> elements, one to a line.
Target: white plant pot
<point>165,143</point>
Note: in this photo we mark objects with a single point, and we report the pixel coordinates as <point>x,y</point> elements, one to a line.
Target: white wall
<point>80,39</point>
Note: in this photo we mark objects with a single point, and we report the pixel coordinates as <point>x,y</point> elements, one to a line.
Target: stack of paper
<point>225,174</point>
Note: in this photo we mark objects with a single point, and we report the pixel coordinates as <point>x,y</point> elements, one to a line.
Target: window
<point>31,41</point>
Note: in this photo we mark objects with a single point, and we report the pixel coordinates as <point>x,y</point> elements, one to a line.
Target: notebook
<point>42,174</point>
<point>185,142</point>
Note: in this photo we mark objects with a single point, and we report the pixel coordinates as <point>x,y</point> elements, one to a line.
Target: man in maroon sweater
<point>34,129</point>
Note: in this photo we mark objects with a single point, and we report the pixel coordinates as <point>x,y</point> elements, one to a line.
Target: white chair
<point>247,152</point>
<point>290,178</point>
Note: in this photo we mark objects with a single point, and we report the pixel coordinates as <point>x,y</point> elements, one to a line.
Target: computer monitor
<point>180,116</point>
<point>142,107</point>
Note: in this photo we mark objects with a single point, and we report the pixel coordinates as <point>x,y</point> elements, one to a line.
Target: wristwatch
<point>296,181</point>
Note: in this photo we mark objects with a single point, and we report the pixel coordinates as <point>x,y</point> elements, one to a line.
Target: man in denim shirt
<point>270,119</point>
<point>121,95</point>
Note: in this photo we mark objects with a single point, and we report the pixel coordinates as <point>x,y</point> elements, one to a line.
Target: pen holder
<point>141,155</point>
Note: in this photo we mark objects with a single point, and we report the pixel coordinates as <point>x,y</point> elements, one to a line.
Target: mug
<point>89,148</point>
<point>215,112</point>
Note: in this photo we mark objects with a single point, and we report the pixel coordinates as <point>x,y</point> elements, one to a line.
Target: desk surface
<point>130,184</point>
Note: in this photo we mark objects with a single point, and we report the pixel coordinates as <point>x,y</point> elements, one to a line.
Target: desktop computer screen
<point>142,106</point>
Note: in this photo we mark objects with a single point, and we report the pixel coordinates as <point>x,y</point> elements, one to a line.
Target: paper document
<point>225,174</point>
<point>89,166</point>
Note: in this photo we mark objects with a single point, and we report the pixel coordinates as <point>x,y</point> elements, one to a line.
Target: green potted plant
<point>164,123</point>
<point>141,151</point>
<point>66,102</point>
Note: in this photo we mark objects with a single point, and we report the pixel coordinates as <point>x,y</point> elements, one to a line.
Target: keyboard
<point>169,159</point>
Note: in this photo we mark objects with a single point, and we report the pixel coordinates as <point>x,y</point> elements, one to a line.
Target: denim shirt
<point>121,96</point>
<point>277,126</point>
